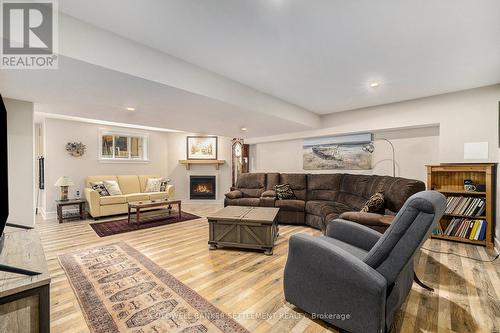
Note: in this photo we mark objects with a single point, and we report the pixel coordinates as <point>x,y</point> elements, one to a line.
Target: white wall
<point>466,116</point>
<point>414,149</point>
<point>21,161</point>
<point>180,176</point>
<point>59,163</point>
<point>165,151</point>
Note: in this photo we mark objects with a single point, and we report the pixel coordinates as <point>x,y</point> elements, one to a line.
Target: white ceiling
<point>83,90</point>
<point>319,54</point>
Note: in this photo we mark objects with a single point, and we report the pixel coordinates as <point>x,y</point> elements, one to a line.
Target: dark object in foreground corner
<point>357,271</point>
<point>4,203</point>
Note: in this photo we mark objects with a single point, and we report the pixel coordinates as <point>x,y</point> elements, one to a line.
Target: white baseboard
<point>497,245</point>
<point>52,214</point>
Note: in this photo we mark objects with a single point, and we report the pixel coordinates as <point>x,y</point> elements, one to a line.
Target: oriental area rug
<point>121,290</point>
<point>149,220</point>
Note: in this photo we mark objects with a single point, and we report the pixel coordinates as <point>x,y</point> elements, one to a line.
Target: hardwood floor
<point>466,298</point>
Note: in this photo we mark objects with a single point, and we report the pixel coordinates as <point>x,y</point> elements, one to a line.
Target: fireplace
<point>202,187</point>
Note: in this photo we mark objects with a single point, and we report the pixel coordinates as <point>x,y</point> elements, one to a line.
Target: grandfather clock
<point>239,158</point>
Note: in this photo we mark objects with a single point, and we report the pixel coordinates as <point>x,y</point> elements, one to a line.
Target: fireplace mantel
<point>187,163</point>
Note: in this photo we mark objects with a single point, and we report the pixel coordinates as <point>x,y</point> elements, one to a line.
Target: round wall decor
<point>76,149</point>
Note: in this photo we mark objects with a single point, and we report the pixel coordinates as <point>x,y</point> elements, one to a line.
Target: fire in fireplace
<point>202,187</point>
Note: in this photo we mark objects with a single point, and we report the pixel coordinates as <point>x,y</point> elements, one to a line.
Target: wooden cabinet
<point>449,180</point>
<point>24,300</point>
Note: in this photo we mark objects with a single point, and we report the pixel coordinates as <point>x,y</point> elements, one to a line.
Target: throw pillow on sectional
<point>153,185</point>
<point>100,188</point>
<point>284,192</point>
<point>376,204</point>
<point>112,187</point>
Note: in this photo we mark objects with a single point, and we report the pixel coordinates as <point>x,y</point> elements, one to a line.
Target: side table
<point>62,216</point>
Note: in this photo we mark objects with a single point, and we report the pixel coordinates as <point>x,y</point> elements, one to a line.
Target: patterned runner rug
<point>149,220</point>
<point>121,290</point>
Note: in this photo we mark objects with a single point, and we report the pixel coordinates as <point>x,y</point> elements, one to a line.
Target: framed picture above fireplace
<point>201,147</point>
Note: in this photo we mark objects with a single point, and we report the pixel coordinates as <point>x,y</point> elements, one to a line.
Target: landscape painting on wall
<point>337,152</point>
<point>201,147</point>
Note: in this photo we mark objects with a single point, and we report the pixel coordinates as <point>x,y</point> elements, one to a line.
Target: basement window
<point>123,147</point>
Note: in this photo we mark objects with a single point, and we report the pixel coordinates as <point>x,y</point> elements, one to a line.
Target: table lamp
<point>64,183</point>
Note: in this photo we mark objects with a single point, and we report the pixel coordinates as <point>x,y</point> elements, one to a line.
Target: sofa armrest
<point>373,219</point>
<point>323,279</point>
<point>269,194</point>
<point>234,194</point>
<point>94,201</point>
<point>353,233</point>
<point>170,189</point>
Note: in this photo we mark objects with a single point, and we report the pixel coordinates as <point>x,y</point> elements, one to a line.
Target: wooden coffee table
<point>244,227</point>
<point>146,204</point>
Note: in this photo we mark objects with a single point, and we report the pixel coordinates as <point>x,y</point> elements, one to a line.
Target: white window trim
<point>128,134</point>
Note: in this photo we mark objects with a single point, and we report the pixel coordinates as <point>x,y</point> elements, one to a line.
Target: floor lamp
<point>370,148</point>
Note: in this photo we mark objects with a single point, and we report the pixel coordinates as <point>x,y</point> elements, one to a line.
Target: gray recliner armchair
<point>354,277</point>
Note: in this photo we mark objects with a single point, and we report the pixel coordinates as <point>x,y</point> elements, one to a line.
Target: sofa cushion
<point>323,186</point>
<point>353,189</point>
<point>251,185</point>
<point>272,179</point>
<point>158,195</point>
<point>398,190</point>
<point>113,200</point>
<point>269,194</point>
<point>129,184</point>
<point>137,197</point>
<point>243,202</point>
<point>235,194</point>
<point>98,179</point>
<point>291,205</point>
<point>298,183</point>
<point>356,189</point>
<point>251,181</point>
<point>322,208</point>
<point>251,192</point>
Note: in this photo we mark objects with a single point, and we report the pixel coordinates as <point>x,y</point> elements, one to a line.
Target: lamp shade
<point>64,181</point>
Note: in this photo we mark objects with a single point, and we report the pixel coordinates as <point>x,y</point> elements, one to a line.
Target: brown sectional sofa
<point>321,198</point>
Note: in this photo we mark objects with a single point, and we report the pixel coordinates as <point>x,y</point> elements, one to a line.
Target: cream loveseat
<point>132,188</point>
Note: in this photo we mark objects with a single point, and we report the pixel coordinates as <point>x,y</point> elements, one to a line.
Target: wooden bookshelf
<point>449,180</point>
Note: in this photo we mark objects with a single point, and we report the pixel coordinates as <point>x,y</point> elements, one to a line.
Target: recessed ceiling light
<point>130,109</point>
<point>375,84</point>
<point>244,128</point>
